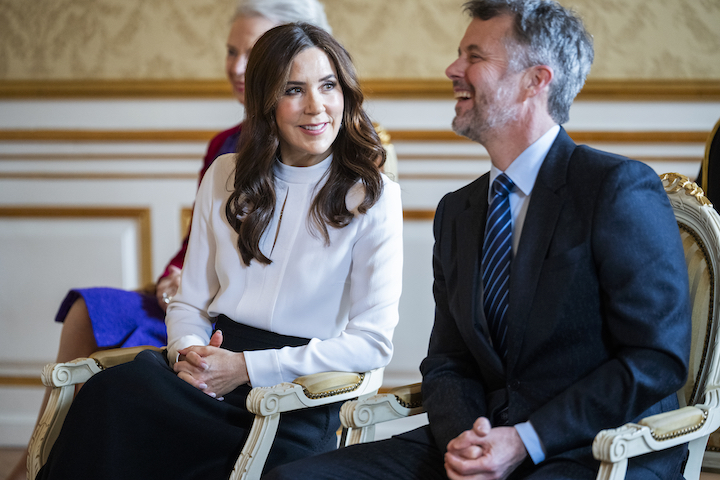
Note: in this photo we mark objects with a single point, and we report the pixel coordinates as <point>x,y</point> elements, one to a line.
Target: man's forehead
<point>484,35</point>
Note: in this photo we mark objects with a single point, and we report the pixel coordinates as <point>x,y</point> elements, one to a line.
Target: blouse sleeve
<point>187,320</point>
<point>374,293</point>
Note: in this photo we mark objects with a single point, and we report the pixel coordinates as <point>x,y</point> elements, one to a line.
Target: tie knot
<point>501,186</point>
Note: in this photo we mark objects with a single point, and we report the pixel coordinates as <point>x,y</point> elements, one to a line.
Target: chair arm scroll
<point>359,417</point>
<point>614,447</point>
<point>312,391</point>
<point>267,403</point>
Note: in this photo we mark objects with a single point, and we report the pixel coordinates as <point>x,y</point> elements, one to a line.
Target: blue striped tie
<point>497,253</point>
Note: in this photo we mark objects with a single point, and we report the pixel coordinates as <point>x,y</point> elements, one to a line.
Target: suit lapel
<point>543,212</point>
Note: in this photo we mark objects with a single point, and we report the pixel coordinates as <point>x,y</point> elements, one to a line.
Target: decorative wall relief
<point>401,39</point>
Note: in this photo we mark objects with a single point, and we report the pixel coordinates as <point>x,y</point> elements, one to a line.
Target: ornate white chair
<point>267,403</point>
<point>699,415</point>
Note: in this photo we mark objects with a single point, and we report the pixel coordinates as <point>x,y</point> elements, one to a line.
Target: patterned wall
<point>184,39</point>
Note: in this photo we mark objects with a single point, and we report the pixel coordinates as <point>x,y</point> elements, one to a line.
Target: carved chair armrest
<point>62,378</point>
<point>614,447</point>
<point>74,372</point>
<point>267,403</point>
<point>359,417</point>
<point>312,391</point>
<point>116,356</point>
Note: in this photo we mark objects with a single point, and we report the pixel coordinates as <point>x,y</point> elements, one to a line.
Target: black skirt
<point>139,420</point>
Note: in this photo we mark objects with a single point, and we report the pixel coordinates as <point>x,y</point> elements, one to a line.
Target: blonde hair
<point>285,11</point>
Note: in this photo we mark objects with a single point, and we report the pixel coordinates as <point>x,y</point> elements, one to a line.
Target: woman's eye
<point>329,85</point>
<point>293,91</point>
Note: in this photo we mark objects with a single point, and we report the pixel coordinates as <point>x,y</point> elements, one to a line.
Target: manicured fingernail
<point>202,386</point>
<point>212,394</point>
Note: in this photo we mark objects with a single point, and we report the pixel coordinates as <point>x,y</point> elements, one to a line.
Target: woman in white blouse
<point>295,256</point>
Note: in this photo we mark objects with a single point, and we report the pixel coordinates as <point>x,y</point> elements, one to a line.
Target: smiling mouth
<point>313,128</point>
<point>462,94</point>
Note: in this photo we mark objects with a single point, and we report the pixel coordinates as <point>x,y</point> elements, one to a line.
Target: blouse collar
<point>311,174</point>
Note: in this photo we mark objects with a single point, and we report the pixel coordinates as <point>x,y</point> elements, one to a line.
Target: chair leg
<point>612,471</point>
<point>354,436</point>
<point>48,428</point>
<point>696,450</point>
<point>251,461</point>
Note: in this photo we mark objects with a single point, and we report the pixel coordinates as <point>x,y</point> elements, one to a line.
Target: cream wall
<point>416,39</point>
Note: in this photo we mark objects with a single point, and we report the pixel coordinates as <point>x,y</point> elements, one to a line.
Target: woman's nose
<point>314,104</point>
<point>240,65</point>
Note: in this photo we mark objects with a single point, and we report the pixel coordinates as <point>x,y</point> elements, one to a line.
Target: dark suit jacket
<point>598,321</point>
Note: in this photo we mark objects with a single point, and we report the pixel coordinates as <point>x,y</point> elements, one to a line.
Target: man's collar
<point>524,169</point>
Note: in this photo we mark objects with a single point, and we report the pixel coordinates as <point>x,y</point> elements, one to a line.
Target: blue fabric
<point>120,318</point>
<point>229,145</point>
<point>532,443</point>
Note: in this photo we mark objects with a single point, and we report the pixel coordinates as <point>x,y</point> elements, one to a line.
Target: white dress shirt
<point>523,172</point>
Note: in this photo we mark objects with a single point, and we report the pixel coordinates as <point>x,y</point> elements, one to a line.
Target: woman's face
<point>243,34</point>
<point>310,110</point>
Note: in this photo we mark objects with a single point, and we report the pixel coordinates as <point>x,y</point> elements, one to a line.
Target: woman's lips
<point>314,129</point>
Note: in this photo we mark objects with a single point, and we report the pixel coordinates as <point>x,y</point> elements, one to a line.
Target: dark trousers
<point>414,456</point>
<point>139,420</point>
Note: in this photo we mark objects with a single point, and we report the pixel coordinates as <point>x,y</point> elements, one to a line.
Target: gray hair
<point>285,11</point>
<point>545,33</point>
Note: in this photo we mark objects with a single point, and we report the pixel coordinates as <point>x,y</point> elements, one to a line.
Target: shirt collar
<point>524,169</point>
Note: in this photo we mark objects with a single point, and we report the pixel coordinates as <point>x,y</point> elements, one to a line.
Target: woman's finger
<point>192,381</point>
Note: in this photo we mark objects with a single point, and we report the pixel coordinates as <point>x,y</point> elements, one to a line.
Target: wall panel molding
<point>6,381</point>
<point>141,216</point>
<point>419,215</point>
<point>95,176</point>
<point>651,90</point>
<point>395,135</point>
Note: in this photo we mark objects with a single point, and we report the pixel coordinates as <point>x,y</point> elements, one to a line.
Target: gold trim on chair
<point>333,390</point>
<point>660,437</point>
<point>677,182</point>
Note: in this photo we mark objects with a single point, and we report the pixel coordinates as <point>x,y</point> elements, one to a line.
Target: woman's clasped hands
<point>212,369</point>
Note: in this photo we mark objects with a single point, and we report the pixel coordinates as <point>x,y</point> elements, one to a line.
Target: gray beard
<point>479,122</point>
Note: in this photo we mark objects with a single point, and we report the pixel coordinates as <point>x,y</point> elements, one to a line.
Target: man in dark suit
<point>560,283</point>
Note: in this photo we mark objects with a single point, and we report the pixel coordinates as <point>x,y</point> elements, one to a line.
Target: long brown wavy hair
<point>357,151</point>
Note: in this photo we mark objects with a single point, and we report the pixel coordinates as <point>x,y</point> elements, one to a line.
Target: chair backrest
<point>699,225</point>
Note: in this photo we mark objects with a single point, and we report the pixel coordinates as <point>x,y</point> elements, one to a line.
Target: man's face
<point>486,89</point>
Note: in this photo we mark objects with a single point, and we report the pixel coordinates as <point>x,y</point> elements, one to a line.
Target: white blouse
<point>343,296</point>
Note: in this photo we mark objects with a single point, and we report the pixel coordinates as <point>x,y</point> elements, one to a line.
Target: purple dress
<point>122,318</point>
